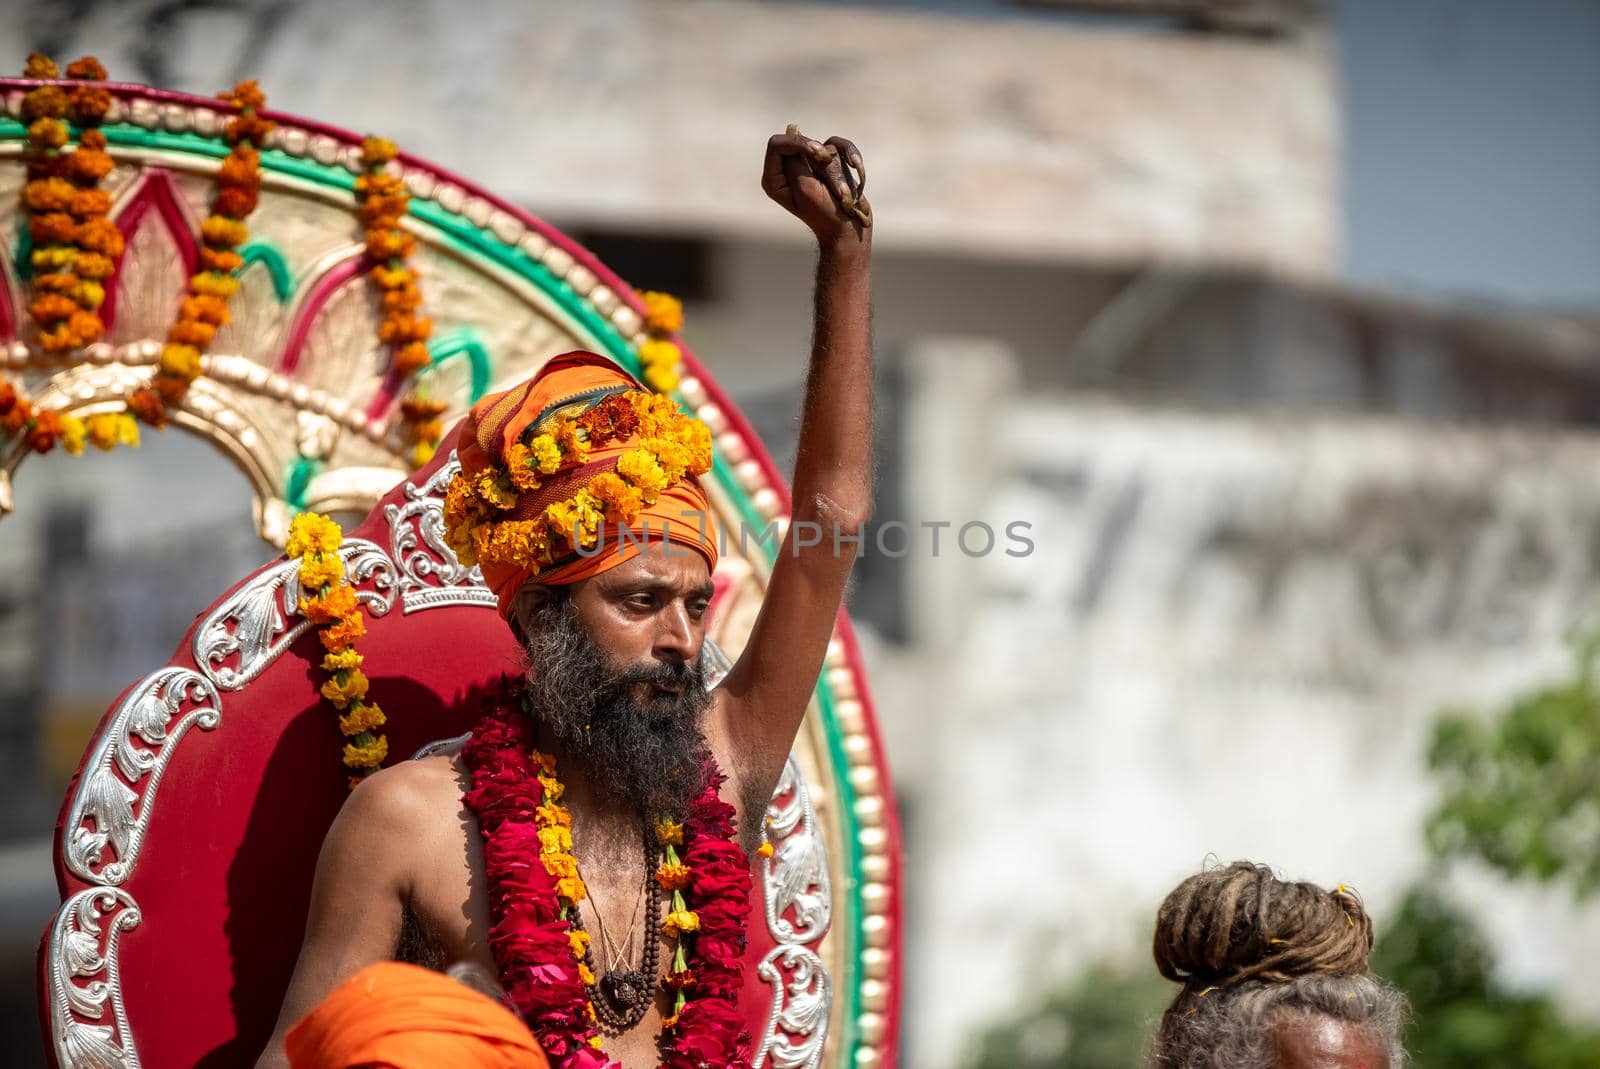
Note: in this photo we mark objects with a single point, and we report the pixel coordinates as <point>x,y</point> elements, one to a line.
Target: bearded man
<point>613,779</point>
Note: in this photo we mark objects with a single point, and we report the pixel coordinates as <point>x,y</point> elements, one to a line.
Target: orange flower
<point>146,404</point>
<point>663,313</point>
<point>388,278</point>
<point>102,431</point>
<point>222,261</point>
<point>88,104</point>
<point>204,308</point>
<point>46,428</point>
<point>100,235</point>
<point>48,195</point>
<point>93,265</point>
<point>672,877</point>
<point>251,128</point>
<point>235,202</point>
<point>246,95</point>
<point>340,602</point>
<point>40,66</point>
<point>90,202</point>
<point>402,330</point>
<point>87,326</point>
<point>411,357</point>
<point>390,244</point>
<point>52,228</point>
<point>18,416</point>
<point>45,102</point>
<point>342,694</point>
<point>86,68</point>
<point>384,209</point>
<point>343,634</point>
<point>171,388</point>
<point>49,307</point>
<point>401,300</point>
<point>239,168</point>
<point>8,396</point>
<point>379,185</point>
<point>192,332</point>
<point>87,164</point>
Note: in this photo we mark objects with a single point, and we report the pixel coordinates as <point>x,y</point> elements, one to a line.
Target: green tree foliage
<point>1521,790</point>
<point>1099,1020</point>
<point>1461,1017</point>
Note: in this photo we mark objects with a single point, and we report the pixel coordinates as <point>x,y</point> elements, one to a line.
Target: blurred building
<point>1275,522</point>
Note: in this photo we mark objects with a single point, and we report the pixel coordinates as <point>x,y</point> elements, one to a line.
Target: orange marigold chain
<point>329,602</point>
<point>204,310</point>
<point>403,328</point>
<point>75,247</point>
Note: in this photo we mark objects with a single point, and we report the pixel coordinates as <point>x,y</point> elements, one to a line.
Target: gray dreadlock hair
<point>1252,950</point>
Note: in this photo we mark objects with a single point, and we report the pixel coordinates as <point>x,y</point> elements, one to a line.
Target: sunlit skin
<point>1317,1042</point>
<point>404,841</point>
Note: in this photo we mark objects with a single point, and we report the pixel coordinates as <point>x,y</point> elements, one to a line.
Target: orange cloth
<point>565,386</point>
<point>397,1016</point>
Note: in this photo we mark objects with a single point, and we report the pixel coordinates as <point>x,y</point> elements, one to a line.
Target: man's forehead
<point>661,565</point>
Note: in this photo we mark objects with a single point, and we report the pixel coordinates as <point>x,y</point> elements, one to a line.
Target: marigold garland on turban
<point>204,310</point>
<point>669,447</point>
<point>329,602</point>
<point>659,355</point>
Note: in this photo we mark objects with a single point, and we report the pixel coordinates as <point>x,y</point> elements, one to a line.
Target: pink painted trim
<point>8,312</point>
<point>155,191</point>
<point>323,291</point>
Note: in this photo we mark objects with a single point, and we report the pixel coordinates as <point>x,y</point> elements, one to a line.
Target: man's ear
<point>529,600</point>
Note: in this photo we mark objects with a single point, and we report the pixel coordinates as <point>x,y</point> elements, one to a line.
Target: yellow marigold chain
<point>328,600</point>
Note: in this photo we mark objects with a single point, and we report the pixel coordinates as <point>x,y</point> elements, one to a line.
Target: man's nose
<point>675,635</point>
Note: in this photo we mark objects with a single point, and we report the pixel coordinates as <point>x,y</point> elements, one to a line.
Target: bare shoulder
<point>408,801</point>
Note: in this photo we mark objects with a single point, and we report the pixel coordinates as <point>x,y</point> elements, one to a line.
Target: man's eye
<point>641,601</point>
<point>698,608</point>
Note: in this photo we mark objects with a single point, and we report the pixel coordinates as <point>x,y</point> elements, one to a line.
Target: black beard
<point>648,750</point>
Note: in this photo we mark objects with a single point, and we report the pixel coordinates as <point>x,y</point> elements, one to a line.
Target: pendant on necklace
<point>627,993</point>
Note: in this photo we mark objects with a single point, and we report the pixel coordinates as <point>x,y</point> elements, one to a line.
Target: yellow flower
<point>662,354</point>
<point>553,789</point>
<point>679,921</point>
<point>574,445</point>
<point>496,490</point>
<point>320,570</point>
<point>578,518</point>
<point>622,502</point>
<point>377,151</point>
<point>362,717</point>
<point>663,313</point>
<point>546,454</point>
<point>669,833</point>
<point>72,434</point>
<point>127,429</point>
<point>522,468</point>
<point>422,452</point>
<point>578,941</point>
<point>551,816</point>
<point>89,295</point>
<point>340,694</point>
<point>555,840</point>
<point>311,532</point>
<point>662,378</point>
<point>585,975</point>
<point>572,889</point>
<point>639,467</point>
<point>214,284</point>
<point>368,756</point>
<point>180,360</point>
<point>342,660</point>
<point>102,431</point>
<point>561,866</point>
<point>765,850</point>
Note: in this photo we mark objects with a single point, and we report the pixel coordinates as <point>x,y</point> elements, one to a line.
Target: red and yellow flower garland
<point>384,202</point>
<point>205,309</point>
<point>659,356</point>
<point>329,602</point>
<point>672,445</point>
<point>515,797</point>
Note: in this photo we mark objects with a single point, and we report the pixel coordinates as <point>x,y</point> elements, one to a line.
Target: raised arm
<point>766,693</point>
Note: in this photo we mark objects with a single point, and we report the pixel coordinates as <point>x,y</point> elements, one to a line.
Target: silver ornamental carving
<point>795,882</point>
<point>85,981</point>
<point>261,619</point>
<point>430,574</point>
<point>111,807</point>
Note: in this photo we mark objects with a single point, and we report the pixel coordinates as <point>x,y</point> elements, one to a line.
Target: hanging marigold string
<point>659,355</point>
<point>204,309</point>
<point>403,328</point>
<point>329,602</point>
<point>75,247</point>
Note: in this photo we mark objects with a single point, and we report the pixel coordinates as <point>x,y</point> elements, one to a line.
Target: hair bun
<point>1228,925</point>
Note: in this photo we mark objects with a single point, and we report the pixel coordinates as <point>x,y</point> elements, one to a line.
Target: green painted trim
<point>263,252</point>
<point>298,480</point>
<point>22,257</point>
<point>470,239</point>
<point>465,342</point>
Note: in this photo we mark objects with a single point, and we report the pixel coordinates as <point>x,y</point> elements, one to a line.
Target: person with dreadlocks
<point>590,845</point>
<point>1275,976</point>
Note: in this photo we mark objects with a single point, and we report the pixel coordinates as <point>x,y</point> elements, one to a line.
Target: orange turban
<point>570,473</point>
<point>403,1017</point>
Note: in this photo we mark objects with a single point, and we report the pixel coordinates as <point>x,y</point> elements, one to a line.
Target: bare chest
<point>450,904</point>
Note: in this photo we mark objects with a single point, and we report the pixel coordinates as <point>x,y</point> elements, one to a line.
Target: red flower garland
<point>528,933</point>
